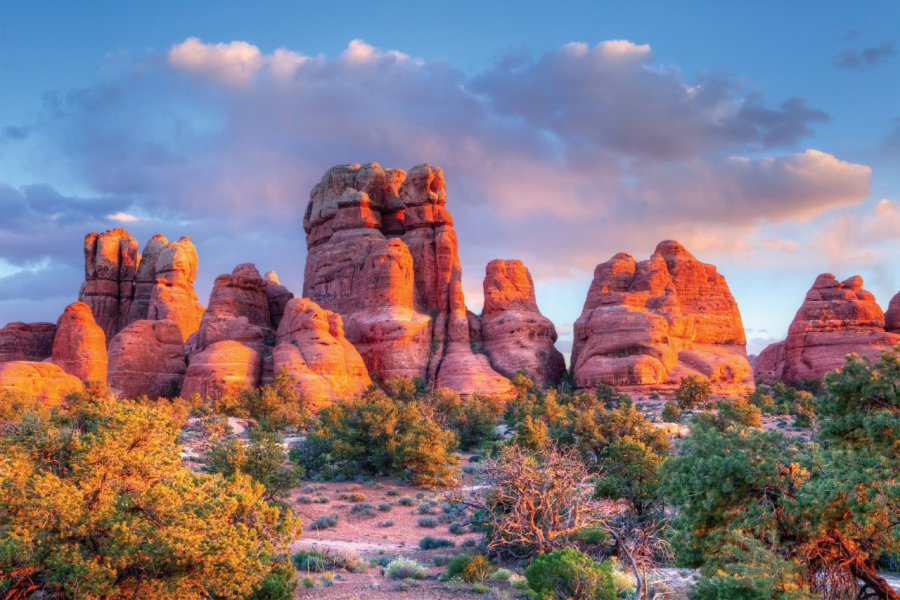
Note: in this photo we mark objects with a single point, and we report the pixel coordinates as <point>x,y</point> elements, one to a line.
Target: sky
<point>764,136</point>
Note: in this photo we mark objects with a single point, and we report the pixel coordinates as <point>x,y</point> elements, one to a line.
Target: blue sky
<point>765,136</point>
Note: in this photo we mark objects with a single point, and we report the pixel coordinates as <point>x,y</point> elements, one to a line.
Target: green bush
<point>279,584</point>
<point>740,412</point>
<point>262,458</point>
<point>428,522</point>
<point>570,574</point>
<point>593,536</point>
<point>431,543</point>
<point>404,568</point>
<point>671,413</point>
<point>324,522</point>
<point>312,561</point>
<point>469,567</point>
<point>406,501</point>
<point>693,392</point>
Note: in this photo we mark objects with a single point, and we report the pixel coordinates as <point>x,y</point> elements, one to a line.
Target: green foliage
<point>262,458</point>
<point>471,419</point>
<point>779,398</point>
<point>630,472</point>
<point>431,543</point>
<point>570,574</point>
<point>377,435</point>
<point>740,412</point>
<point>95,502</point>
<point>671,413</point>
<point>276,406</point>
<point>469,567</point>
<point>312,561</point>
<point>693,392</point>
<point>404,568</point>
<point>279,584</point>
<point>592,536</point>
<point>532,433</point>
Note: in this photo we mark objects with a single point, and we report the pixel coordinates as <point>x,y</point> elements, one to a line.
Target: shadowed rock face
<point>836,318</point>
<point>79,347</point>
<point>383,254</point>
<point>515,335</point>
<point>26,341</point>
<point>110,262</point>
<point>147,358</point>
<point>43,380</point>
<point>653,322</point>
<point>892,316</point>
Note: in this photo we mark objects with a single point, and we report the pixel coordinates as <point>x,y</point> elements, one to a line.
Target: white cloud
<point>235,63</point>
<point>122,217</point>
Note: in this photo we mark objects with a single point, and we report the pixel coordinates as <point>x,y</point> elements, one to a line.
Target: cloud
<point>867,57</point>
<point>561,159</point>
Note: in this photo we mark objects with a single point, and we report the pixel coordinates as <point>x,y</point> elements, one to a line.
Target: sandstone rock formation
<point>892,315</point>
<point>278,297</point>
<point>653,322</point>
<point>110,261</point>
<point>222,368</point>
<point>147,358</point>
<point>769,366</point>
<point>836,318</point>
<point>26,341</point>
<point>516,336</point>
<point>41,380</point>
<point>172,296</point>
<point>383,254</point>
<point>312,349</point>
<point>79,346</point>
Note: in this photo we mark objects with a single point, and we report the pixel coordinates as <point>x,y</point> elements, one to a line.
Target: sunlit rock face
<point>892,316</point>
<point>26,341</point>
<point>110,263</point>
<point>651,323</point>
<point>313,350</point>
<point>147,358</point>
<point>836,318</point>
<point>172,296</point>
<point>79,346</point>
<point>42,380</point>
<point>222,368</point>
<point>382,252</point>
<point>514,333</point>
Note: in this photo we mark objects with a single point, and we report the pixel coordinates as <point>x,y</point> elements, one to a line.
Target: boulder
<point>514,333</point>
<point>223,368</point>
<point>836,318</point>
<point>79,346</point>
<point>382,253</point>
<point>892,315</point>
<point>312,348</point>
<point>649,324</point>
<point>147,358</point>
<point>42,380</point>
<point>26,341</point>
<point>110,262</point>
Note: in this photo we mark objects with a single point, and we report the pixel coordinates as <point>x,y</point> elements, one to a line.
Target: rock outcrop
<point>172,296</point>
<point>769,366</point>
<point>514,333</point>
<point>42,380</point>
<point>653,322</point>
<point>278,297</point>
<point>836,318</point>
<point>110,262</point>
<point>382,252</point>
<point>26,341</point>
<point>147,358</point>
<point>892,315</point>
<point>222,368</point>
<point>79,346</point>
<point>313,349</point>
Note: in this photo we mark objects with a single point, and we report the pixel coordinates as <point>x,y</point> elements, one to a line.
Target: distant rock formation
<point>313,350</point>
<point>42,380</point>
<point>79,346</point>
<point>769,366</point>
<point>147,358</point>
<point>382,252</point>
<point>26,341</point>
<point>653,322</point>
<point>515,335</point>
<point>892,315</point>
<point>110,262</point>
<point>172,296</point>
<point>836,318</point>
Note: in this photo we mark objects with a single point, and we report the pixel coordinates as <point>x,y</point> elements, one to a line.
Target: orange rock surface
<point>892,315</point>
<point>516,336</point>
<point>110,262</point>
<point>312,348</point>
<point>278,297</point>
<point>383,254</point>
<point>173,297</point>
<point>223,368</point>
<point>653,322</point>
<point>836,318</point>
<point>79,346</point>
<point>147,358</point>
<point>42,380</point>
<point>26,341</point>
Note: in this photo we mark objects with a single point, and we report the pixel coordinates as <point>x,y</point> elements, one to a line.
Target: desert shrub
<point>471,419</point>
<point>532,433</point>
<point>592,536</point>
<point>324,522</point>
<point>126,510</point>
<point>276,406</point>
<point>501,575</point>
<point>427,522</point>
<point>385,506</point>
<point>570,574</point>
<point>426,508</point>
<point>377,435</point>
<point>385,523</point>
<point>262,458</point>
<point>405,501</point>
<point>740,412</point>
<point>393,492</point>
<point>404,568</point>
<point>457,528</point>
<point>430,543</point>
<point>352,496</point>
<point>630,471</point>
<point>671,413</point>
<point>692,392</point>
<point>279,584</point>
<point>312,561</point>
<point>363,509</point>
<point>469,567</point>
